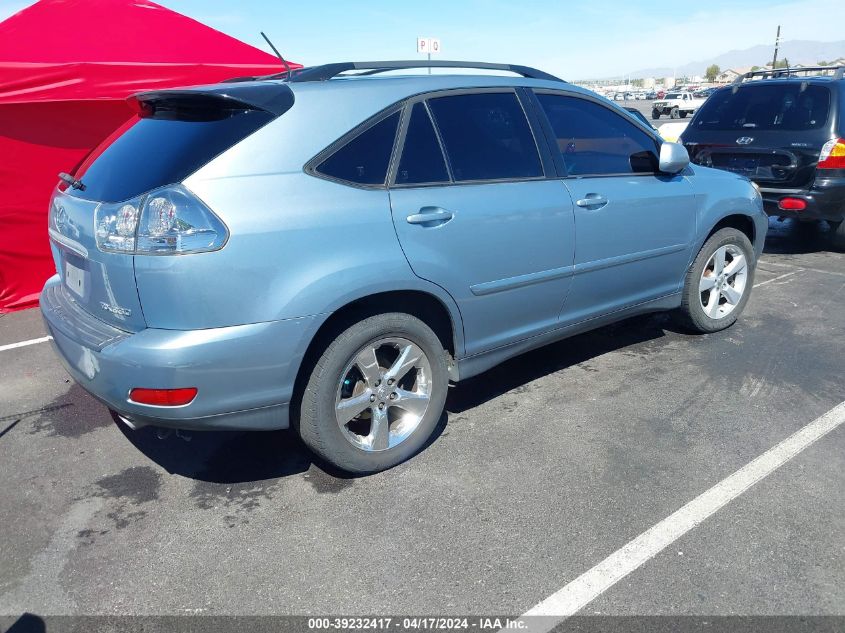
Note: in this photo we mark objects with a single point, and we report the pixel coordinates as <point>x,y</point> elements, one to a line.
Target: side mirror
<point>673,158</point>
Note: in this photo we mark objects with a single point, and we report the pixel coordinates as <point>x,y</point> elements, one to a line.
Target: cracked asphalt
<point>541,468</point>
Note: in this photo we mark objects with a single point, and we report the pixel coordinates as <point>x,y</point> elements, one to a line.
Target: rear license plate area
<point>77,277</point>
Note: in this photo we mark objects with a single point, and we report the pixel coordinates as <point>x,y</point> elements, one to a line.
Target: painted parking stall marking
<point>778,278</point>
<point>591,584</point>
<point>33,341</point>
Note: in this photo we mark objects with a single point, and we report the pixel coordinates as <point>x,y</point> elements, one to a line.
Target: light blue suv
<point>329,248</point>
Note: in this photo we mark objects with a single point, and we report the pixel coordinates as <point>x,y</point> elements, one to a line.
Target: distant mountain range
<point>796,51</point>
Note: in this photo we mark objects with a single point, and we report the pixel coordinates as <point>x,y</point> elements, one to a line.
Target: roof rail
<point>777,73</point>
<point>329,71</point>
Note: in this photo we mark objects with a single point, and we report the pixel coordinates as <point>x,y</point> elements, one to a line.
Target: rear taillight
<point>167,221</point>
<point>163,397</point>
<point>832,155</point>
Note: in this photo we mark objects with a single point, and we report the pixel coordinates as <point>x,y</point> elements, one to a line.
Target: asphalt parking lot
<point>543,467</point>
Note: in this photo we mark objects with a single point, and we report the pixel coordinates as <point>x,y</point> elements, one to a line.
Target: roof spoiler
<point>274,98</point>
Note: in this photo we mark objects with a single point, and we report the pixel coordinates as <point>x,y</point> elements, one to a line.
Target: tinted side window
<point>592,139</point>
<point>487,136</point>
<point>365,158</point>
<point>422,161</point>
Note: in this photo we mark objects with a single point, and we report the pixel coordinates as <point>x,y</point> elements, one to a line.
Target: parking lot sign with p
<point>428,45</point>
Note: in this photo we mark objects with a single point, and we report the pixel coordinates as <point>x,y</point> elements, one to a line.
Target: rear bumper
<point>825,201</point>
<point>244,374</point>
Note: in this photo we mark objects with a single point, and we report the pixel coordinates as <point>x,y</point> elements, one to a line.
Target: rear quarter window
<point>364,159</point>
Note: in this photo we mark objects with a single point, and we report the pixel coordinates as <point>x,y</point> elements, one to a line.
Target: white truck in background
<point>676,104</point>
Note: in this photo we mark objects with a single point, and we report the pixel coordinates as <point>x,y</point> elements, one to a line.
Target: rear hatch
<point>173,134</point>
<point>103,284</point>
<point>768,131</point>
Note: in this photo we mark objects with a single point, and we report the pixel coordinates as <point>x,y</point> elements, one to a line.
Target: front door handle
<point>592,201</point>
<point>430,216</point>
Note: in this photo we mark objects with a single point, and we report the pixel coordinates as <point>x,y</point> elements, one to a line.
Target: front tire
<point>718,284</point>
<point>376,394</point>
<point>655,114</point>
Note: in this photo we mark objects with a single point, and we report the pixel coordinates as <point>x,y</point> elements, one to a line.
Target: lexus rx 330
<point>328,251</point>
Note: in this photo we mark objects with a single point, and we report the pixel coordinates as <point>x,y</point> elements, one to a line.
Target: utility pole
<point>777,41</point>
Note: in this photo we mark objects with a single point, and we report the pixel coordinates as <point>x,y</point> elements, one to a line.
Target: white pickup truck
<point>676,105</point>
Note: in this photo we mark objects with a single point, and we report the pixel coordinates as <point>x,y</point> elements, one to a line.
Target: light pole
<point>777,41</point>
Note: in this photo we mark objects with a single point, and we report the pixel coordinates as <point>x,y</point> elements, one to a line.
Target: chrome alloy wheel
<point>383,394</point>
<point>723,281</point>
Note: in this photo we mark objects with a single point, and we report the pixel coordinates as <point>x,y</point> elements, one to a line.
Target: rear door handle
<point>430,216</point>
<point>592,201</point>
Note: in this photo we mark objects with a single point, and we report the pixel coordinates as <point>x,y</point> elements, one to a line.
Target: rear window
<point>766,107</point>
<point>153,152</point>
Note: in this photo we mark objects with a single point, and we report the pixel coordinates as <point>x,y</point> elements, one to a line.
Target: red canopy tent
<point>66,67</point>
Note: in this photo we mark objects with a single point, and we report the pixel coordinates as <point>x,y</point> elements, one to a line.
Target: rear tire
<point>682,114</point>
<point>376,394</point>
<point>718,283</point>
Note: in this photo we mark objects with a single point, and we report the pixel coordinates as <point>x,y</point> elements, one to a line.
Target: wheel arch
<point>739,221</point>
<point>434,311</point>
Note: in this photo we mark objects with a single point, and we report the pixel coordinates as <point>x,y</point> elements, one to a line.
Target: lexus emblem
<point>744,140</point>
<point>61,219</point>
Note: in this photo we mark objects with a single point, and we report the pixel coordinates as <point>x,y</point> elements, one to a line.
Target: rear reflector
<point>163,397</point>
<point>792,204</point>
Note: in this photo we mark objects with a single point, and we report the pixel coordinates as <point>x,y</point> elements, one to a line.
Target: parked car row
<point>650,95</point>
<point>639,95</point>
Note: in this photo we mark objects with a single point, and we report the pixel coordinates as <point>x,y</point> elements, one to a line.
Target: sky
<point>572,39</point>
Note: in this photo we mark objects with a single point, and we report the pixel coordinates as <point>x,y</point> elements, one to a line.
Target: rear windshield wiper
<point>73,182</point>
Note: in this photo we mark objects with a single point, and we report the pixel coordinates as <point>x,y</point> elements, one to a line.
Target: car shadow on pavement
<point>232,457</point>
<point>792,237</point>
<point>223,457</point>
<point>27,623</point>
<point>541,362</point>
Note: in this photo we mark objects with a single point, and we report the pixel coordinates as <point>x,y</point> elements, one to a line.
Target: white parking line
<point>768,281</point>
<point>591,584</point>
<point>33,341</point>
<point>815,270</point>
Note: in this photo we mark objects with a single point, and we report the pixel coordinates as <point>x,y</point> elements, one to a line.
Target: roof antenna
<point>278,54</point>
